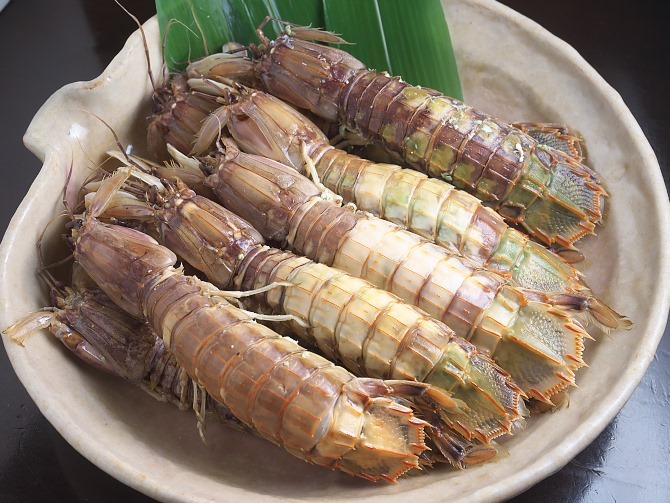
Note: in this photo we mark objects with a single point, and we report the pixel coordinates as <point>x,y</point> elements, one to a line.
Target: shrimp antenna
<point>60,262</point>
<point>144,40</point>
<point>300,31</point>
<point>116,139</point>
<point>43,269</point>
<point>67,184</point>
<point>164,43</point>
<point>202,33</point>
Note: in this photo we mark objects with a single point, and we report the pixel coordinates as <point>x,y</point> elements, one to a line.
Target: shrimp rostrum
<point>371,331</point>
<point>315,410</point>
<point>554,197</point>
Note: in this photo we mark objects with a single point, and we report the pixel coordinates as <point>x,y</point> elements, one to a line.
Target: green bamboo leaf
<point>423,56</point>
<point>199,27</point>
<point>303,12</point>
<point>405,38</point>
<point>246,15</point>
<point>410,39</point>
<point>364,31</point>
<point>191,29</point>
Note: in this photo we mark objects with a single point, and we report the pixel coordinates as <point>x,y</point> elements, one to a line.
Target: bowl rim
<point>554,460</point>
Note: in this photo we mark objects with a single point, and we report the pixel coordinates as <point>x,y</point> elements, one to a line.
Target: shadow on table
<point>574,482</point>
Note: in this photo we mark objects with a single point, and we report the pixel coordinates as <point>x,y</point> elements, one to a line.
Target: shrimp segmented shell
<point>553,196</point>
<point>521,330</point>
<point>370,331</point>
<point>315,410</point>
<point>431,208</point>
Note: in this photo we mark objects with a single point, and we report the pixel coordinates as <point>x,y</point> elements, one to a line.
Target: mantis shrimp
<point>538,344</point>
<point>315,410</point>
<point>431,208</point>
<point>551,195</point>
<point>370,331</point>
<point>101,334</point>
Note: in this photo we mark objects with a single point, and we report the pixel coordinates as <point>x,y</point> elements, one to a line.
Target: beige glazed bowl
<point>155,448</point>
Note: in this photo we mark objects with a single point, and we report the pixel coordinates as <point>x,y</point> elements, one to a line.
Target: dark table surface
<point>43,47</point>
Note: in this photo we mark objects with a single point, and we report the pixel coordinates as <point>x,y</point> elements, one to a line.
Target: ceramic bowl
<point>511,68</point>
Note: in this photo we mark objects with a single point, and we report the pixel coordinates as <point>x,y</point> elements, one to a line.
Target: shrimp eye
<point>74,224</point>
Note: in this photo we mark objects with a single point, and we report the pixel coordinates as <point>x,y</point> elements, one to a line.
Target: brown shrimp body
<point>539,344</point>
<point>429,207</point>
<point>371,331</point>
<point>498,163</point>
<point>104,336</point>
<point>374,333</point>
<point>294,398</point>
<point>177,100</point>
<point>555,198</point>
